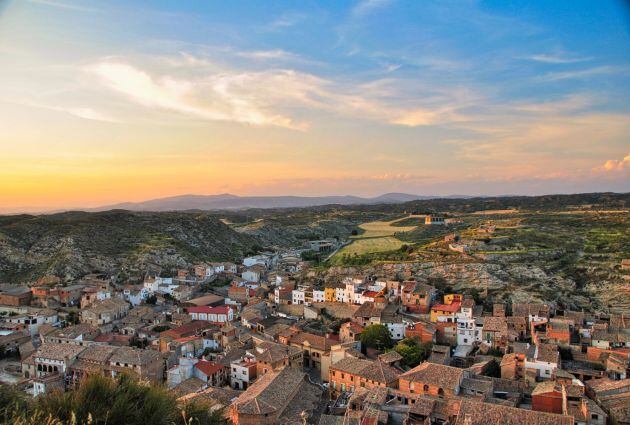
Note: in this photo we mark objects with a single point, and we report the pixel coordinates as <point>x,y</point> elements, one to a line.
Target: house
<point>105,312</point>
<point>283,397</point>
<point>350,373</point>
<point>417,297</point>
<point>212,374</point>
<point>81,334</point>
<point>541,361</point>
<point>424,331</point>
<point>431,379</point>
<point>444,312</point>
<point>350,331</point>
<point>243,372</point>
<point>53,360</point>
<point>142,364</point>
<point>315,350</point>
<point>434,219</point>
<point>220,314</point>
<point>16,296</point>
<point>271,356</point>
<point>494,332</point>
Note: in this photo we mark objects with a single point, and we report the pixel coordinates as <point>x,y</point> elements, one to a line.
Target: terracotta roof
<point>208,368</point>
<point>435,374</point>
<point>451,308</point>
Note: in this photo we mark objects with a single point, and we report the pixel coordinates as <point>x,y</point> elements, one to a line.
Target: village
<point>268,343</point>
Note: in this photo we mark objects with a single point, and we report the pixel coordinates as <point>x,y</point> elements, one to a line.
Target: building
<point>243,372</point>
<point>431,379</point>
<point>417,297</point>
<point>434,219</point>
<point>105,312</point>
<point>315,350</point>
<point>220,314</point>
<point>444,312</point>
<point>16,296</point>
<point>350,373</point>
<point>282,397</point>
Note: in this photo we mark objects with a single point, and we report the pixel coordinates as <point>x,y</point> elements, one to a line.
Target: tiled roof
<point>222,309</point>
<point>435,374</point>
<point>58,351</point>
<point>318,342</point>
<point>134,356</point>
<point>451,308</point>
<point>270,393</point>
<point>478,413</point>
<point>371,370</point>
<point>208,368</point>
<point>495,324</point>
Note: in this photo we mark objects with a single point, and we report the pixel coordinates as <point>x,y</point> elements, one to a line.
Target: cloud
<point>274,97</point>
<point>558,59</point>
<point>285,21</point>
<point>615,165</point>
<point>219,97</point>
<point>63,5</point>
<point>268,54</point>
<point>365,7</point>
<point>583,73</point>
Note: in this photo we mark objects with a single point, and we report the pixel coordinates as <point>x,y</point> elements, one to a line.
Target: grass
<point>367,245</point>
<point>378,236</point>
<point>374,229</point>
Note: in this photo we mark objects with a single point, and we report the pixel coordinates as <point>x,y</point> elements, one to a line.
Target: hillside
<point>74,243</point>
<point>227,201</point>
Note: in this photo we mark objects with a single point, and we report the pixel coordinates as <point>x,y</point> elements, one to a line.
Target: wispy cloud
<point>286,20</point>
<point>268,54</point>
<point>272,97</point>
<point>365,7</point>
<point>558,59</point>
<point>584,73</point>
<point>64,5</point>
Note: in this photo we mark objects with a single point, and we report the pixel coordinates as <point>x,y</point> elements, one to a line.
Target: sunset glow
<point>106,102</point>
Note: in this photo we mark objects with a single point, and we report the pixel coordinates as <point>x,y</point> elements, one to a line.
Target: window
<point>425,388</point>
<point>440,392</point>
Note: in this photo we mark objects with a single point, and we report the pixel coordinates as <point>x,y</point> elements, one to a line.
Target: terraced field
<point>377,236</point>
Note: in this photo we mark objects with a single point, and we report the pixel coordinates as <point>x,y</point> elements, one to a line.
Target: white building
<point>220,314</point>
<point>297,296</point>
<point>251,275</point>
<point>318,296</point>
<point>242,373</point>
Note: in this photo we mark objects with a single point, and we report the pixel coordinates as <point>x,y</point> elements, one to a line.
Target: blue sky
<point>363,97</point>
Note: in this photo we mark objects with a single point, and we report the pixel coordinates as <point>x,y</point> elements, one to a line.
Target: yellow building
<point>451,298</point>
<point>444,312</point>
<point>329,294</point>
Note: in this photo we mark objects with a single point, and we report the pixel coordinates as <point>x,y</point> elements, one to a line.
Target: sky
<point>104,102</point>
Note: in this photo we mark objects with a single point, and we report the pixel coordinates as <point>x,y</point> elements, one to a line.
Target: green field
<point>377,236</point>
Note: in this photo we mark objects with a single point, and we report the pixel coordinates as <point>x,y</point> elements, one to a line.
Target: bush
<point>101,400</point>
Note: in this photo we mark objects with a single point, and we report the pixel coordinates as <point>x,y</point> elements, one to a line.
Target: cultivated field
<point>377,236</point>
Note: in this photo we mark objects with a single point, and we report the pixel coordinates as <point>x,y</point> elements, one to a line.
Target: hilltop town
<point>388,323</point>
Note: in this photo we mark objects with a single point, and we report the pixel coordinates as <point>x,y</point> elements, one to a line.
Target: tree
<point>151,299</point>
<point>413,351</point>
<point>376,336</point>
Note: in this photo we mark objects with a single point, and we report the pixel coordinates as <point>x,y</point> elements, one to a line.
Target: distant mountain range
<point>227,201</point>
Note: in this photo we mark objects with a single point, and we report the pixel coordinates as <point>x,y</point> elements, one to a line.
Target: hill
<point>74,243</point>
<point>227,201</point>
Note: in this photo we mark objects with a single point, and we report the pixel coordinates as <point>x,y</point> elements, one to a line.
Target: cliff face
<point>75,243</point>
